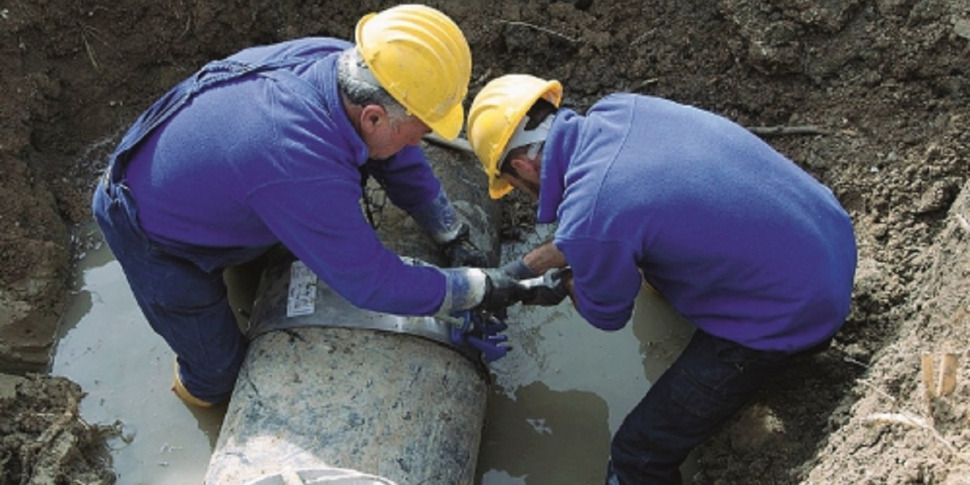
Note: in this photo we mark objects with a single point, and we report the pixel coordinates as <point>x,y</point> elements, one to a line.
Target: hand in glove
<point>502,291</point>
<point>550,289</point>
<point>461,252</point>
<point>482,333</point>
<point>518,270</point>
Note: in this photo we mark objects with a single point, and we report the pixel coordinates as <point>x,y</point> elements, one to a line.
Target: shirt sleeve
<point>407,177</point>
<point>605,278</point>
<point>321,222</point>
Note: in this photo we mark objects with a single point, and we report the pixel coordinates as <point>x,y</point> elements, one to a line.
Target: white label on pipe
<point>302,298</point>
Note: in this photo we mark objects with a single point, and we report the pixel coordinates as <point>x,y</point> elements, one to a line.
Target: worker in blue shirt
<point>737,238</point>
<point>272,145</point>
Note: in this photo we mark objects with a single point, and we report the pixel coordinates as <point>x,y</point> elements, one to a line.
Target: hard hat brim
<point>450,125</point>
<point>498,187</point>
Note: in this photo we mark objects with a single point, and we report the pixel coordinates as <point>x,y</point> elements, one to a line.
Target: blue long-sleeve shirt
<point>253,163</point>
<point>735,236</point>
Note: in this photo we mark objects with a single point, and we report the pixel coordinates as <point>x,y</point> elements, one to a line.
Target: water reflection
<point>662,333</point>
<point>126,370</point>
<point>565,388</point>
<point>543,436</point>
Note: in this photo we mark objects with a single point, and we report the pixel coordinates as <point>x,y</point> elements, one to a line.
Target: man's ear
<point>523,166</point>
<point>372,117</point>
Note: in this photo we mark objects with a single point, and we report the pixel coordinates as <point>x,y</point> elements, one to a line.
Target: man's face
<point>389,136</point>
<point>527,186</point>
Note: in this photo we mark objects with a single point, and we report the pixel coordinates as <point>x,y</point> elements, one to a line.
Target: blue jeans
<point>181,293</point>
<point>707,384</point>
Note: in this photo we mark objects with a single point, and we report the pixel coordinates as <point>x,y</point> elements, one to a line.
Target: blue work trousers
<point>181,292</point>
<point>707,384</point>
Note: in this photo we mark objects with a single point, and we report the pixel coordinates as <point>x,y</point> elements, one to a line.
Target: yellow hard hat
<point>422,59</point>
<point>495,114</point>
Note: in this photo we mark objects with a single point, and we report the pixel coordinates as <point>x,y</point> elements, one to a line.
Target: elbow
<point>606,322</point>
<point>610,326</point>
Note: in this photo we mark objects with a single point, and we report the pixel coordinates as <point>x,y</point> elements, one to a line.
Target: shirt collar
<point>556,152</point>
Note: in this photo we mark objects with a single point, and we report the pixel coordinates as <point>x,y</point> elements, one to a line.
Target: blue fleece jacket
<point>253,162</point>
<point>735,236</point>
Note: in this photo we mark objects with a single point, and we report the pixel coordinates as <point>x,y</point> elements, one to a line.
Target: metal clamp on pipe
<point>292,296</point>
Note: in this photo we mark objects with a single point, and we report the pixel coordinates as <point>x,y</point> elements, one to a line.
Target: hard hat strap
<point>522,137</point>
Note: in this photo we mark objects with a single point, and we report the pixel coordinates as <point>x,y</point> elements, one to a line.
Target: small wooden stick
<point>928,366</point>
<point>787,130</point>
<point>948,374</point>
<point>541,29</point>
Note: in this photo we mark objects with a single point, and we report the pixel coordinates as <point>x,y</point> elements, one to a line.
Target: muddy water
<point>556,398</point>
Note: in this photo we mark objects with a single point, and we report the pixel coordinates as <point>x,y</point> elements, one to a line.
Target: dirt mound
<point>868,96</point>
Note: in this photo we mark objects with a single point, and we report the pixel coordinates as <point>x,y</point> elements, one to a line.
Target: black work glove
<point>461,252</point>
<point>518,270</point>
<point>550,289</point>
<point>502,291</point>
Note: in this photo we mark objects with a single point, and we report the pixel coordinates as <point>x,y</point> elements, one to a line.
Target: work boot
<point>179,389</point>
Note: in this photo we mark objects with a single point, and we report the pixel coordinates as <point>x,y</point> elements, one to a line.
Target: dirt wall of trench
<point>881,87</point>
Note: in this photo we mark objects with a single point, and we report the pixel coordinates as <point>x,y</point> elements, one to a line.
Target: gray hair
<point>359,85</point>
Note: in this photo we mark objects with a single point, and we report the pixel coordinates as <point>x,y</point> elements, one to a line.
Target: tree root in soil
<point>462,144</point>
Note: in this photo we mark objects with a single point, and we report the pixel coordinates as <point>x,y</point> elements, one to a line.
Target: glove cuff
<point>459,232</point>
<point>438,218</point>
<point>464,289</point>
<point>519,270</point>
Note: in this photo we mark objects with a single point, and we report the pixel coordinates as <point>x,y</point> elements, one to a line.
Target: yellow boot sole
<point>179,389</point>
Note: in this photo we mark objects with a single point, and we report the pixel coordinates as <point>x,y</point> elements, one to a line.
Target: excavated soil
<point>868,96</point>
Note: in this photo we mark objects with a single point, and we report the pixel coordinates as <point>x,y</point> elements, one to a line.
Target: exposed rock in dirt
<point>884,82</point>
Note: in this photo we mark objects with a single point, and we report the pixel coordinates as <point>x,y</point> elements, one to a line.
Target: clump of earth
<point>45,440</point>
<point>870,97</point>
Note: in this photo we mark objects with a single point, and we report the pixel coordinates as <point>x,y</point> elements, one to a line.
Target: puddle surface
<point>556,399</point>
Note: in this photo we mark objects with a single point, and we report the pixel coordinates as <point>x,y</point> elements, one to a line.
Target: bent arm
<point>543,258</point>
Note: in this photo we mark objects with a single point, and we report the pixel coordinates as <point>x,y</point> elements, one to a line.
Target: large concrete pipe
<point>330,393</point>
